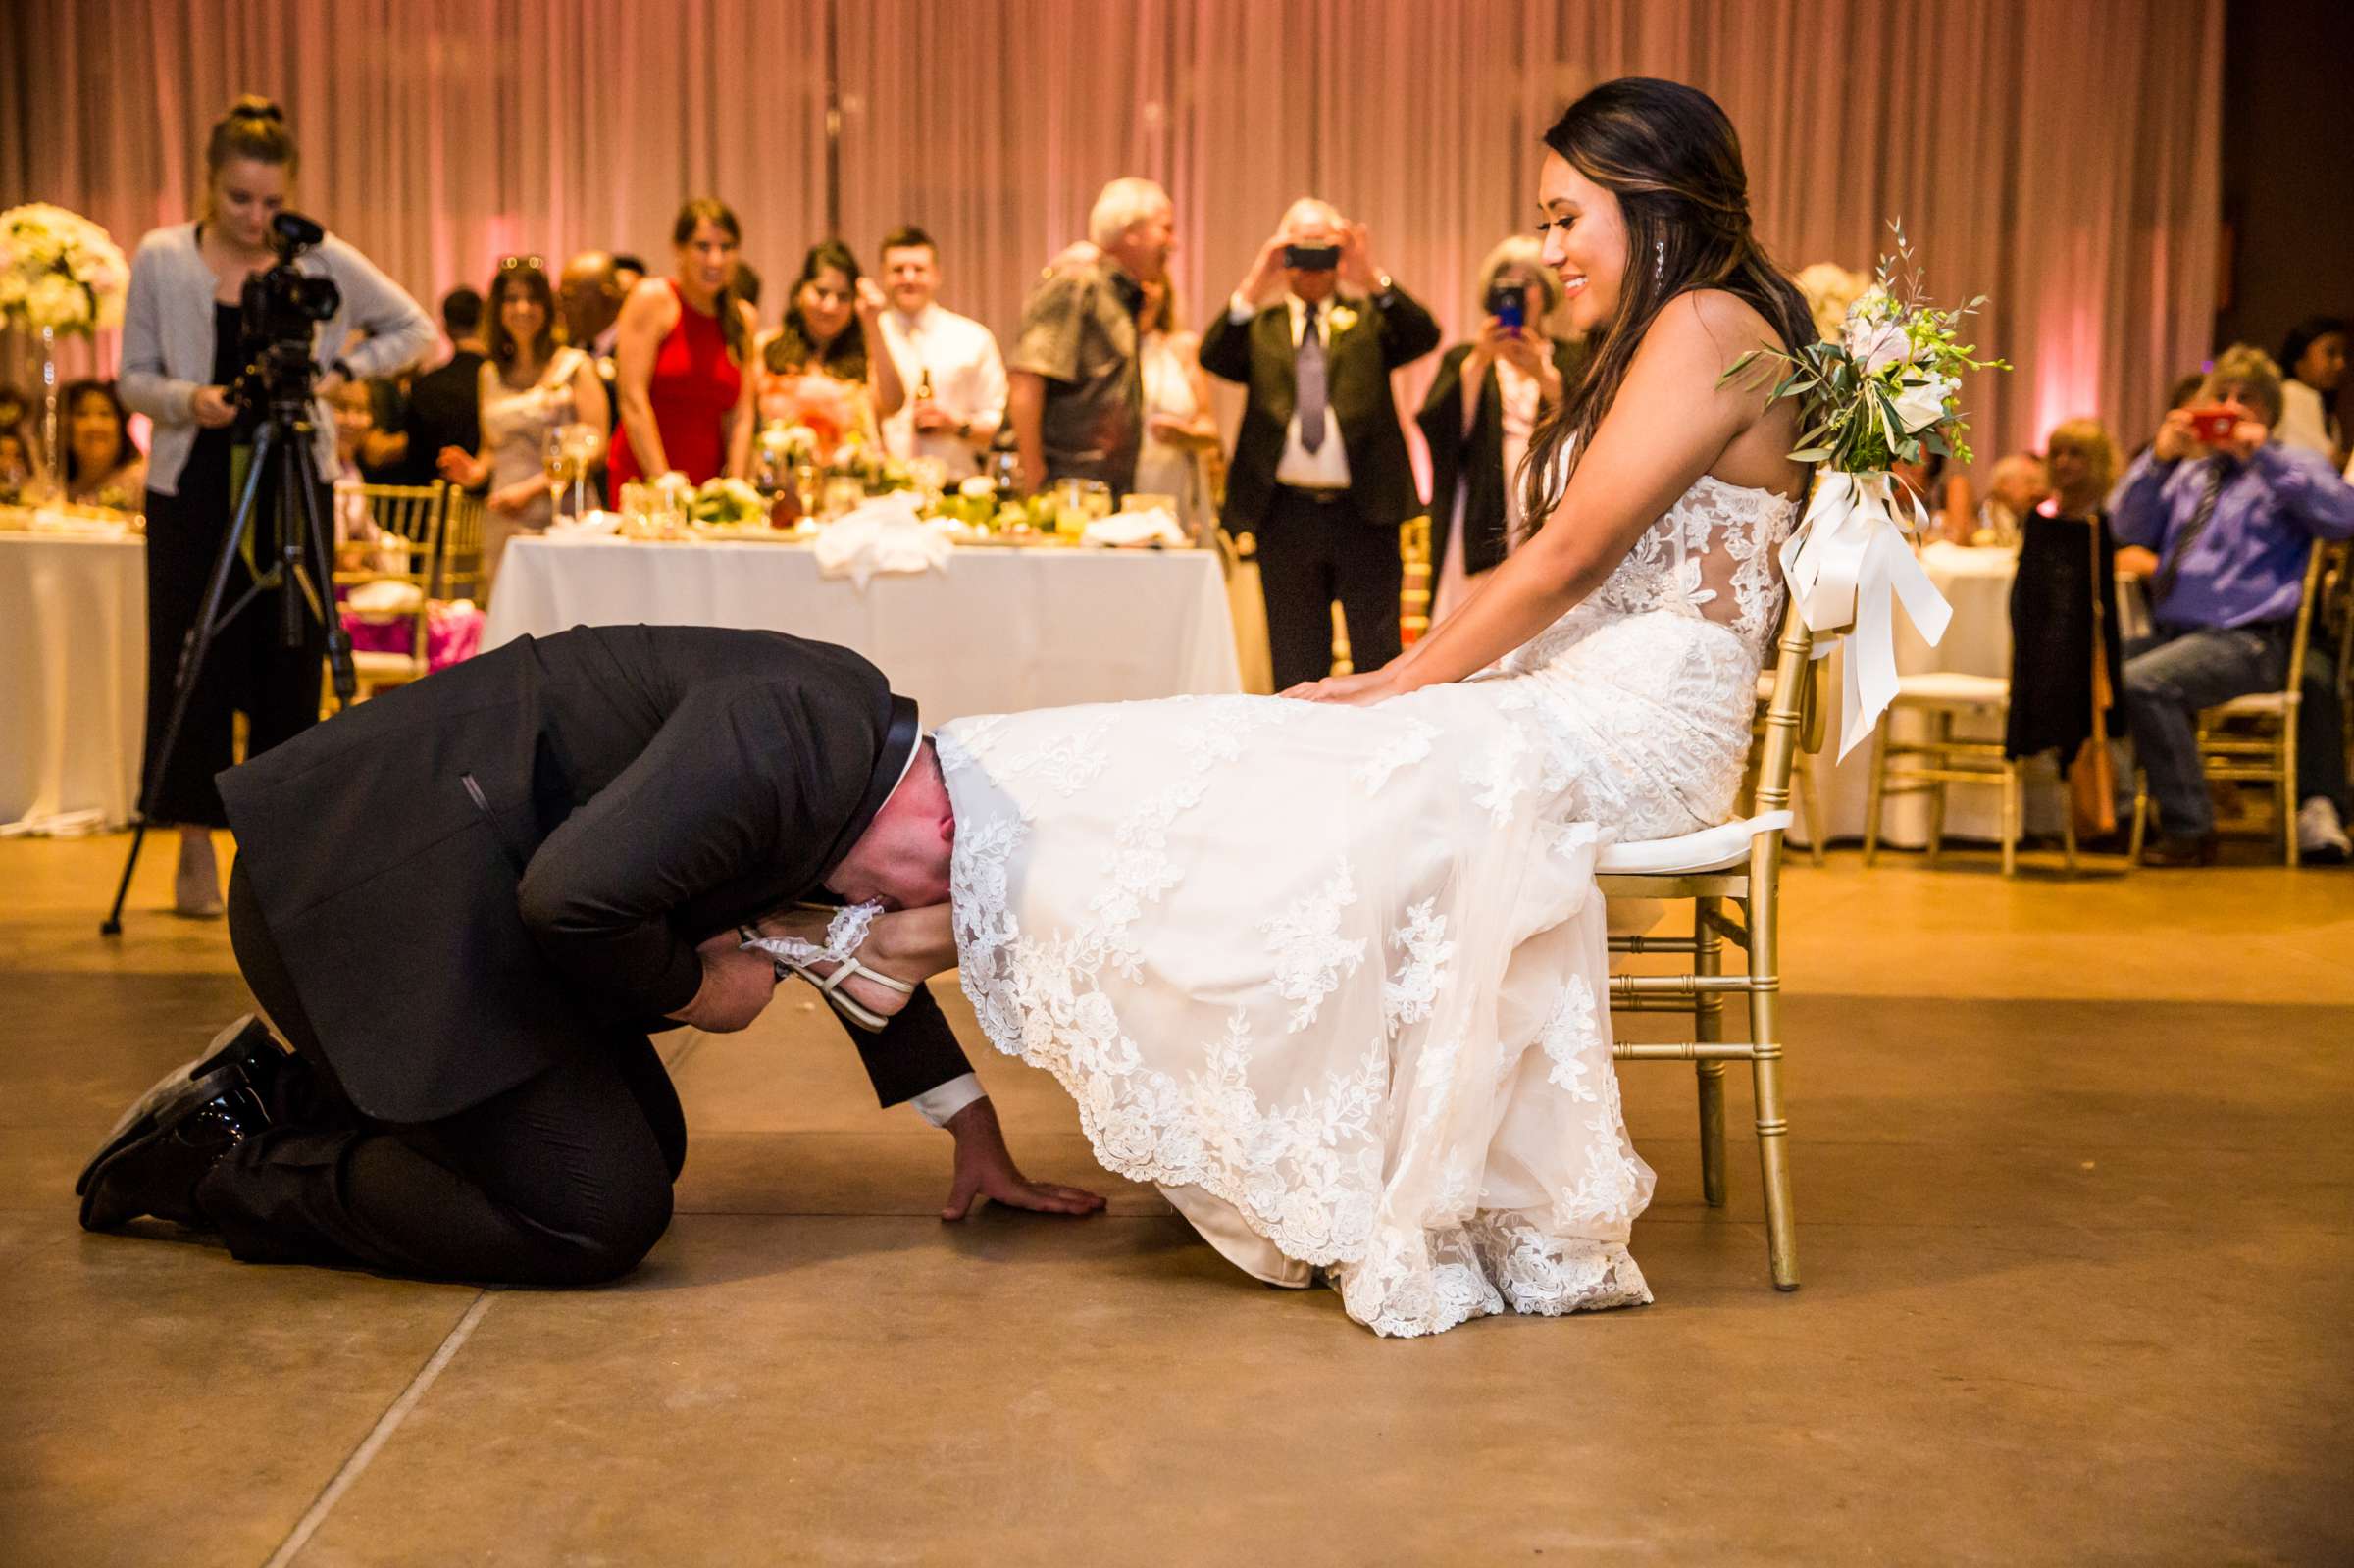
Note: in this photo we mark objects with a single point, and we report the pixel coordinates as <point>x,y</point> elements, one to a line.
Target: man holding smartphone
<point>1321,472</point>
<point>2230,516</point>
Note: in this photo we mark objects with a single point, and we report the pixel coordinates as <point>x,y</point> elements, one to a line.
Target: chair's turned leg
<point>2010,817</point>
<point>1879,790</point>
<point>2284,775</point>
<point>1708,1025</point>
<point>1773,1155</point>
<point>1810,806</point>
<point>1941,733</point>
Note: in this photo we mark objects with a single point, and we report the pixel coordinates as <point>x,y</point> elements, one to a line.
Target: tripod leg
<point>193,650</point>
<point>316,575</point>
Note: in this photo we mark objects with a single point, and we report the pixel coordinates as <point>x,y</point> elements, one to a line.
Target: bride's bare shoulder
<point>1728,325</point>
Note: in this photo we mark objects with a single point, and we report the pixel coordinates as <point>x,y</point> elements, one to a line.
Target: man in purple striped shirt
<point>2233,523</point>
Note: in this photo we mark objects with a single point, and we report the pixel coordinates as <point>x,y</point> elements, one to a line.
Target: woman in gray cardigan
<point>180,355</point>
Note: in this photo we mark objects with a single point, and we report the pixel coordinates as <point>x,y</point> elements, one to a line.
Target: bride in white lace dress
<point>1332,972</point>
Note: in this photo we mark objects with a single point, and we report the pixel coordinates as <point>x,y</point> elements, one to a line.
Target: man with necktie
<point>1320,473</point>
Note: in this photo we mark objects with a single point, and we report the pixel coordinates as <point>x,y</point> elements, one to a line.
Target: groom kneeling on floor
<point>466,904</point>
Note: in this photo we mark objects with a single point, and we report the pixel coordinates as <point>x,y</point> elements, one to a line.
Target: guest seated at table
<point>102,467</point>
<point>2231,523</point>
<point>2315,357</point>
<point>1478,416</point>
<point>16,462</point>
<point>2063,596</point>
<point>682,357</point>
<point>1945,494</point>
<point>2019,486</point>
<point>528,387</point>
<point>815,369</point>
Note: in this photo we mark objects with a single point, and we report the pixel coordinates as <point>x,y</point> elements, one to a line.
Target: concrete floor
<point>2072,1163</point>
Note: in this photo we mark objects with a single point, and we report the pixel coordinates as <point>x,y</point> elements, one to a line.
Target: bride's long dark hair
<point>1670,156</point>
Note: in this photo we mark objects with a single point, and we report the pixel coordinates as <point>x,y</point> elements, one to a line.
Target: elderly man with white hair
<point>1074,388</point>
<point>1321,472</point>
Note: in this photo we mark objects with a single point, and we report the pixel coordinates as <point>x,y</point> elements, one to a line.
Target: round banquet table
<point>74,691</point>
<point>1976,582</point>
<point>994,630</point>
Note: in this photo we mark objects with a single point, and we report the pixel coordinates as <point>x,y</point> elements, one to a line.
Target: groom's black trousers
<point>563,1180</point>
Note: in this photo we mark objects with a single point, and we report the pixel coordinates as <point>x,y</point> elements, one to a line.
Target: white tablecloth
<point>996,631</point>
<point>1976,582</point>
<point>72,678</point>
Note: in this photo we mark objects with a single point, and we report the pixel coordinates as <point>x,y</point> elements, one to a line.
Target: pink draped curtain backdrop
<point>2060,158</point>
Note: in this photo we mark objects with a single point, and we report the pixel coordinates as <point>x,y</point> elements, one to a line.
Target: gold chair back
<point>459,574</point>
<point>407,541</point>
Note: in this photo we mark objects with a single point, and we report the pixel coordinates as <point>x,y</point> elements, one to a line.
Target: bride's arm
<point>1670,424</point>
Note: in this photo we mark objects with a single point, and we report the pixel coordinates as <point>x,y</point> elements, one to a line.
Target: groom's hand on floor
<point>985,1169</point>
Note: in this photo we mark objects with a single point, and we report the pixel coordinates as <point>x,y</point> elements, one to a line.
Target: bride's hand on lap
<point>985,1169</point>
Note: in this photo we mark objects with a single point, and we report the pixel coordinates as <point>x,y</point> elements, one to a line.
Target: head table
<point>72,678</point>
<point>992,631</point>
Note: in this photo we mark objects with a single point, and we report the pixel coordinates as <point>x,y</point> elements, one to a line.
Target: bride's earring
<point>1658,261</point>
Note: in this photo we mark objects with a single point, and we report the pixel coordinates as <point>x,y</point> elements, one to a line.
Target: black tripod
<point>282,469</point>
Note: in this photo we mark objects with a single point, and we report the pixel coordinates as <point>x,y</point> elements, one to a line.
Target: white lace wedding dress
<point>1335,977</point>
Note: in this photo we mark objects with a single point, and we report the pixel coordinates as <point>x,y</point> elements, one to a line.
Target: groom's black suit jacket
<point>1391,329</point>
<point>473,877</point>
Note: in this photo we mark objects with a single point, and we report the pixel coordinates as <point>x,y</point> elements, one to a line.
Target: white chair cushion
<point>1946,688</point>
<point>1718,848</point>
<point>2255,704</point>
<point>379,666</point>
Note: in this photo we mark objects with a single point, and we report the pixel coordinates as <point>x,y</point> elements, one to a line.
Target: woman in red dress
<point>679,360</point>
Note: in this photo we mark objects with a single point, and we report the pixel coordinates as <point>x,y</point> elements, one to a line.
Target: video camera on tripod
<point>278,317</point>
<point>292,559</point>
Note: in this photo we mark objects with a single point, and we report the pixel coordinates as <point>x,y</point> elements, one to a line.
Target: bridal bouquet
<point>59,272</point>
<point>1883,391</point>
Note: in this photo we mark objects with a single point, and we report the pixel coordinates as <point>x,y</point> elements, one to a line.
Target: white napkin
<point>1130,529</point>
<point>882,535</point>
<point>386,600</point>
<point>588,526</point>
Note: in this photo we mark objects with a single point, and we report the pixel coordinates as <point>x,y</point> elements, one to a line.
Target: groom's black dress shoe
<point>221,1095</point>
<point>158,1173</point>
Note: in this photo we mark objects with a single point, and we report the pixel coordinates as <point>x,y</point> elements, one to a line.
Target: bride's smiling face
<point>1584,234</point>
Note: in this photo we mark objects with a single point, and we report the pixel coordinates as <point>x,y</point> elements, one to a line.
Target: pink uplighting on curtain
<point>2061,159</point>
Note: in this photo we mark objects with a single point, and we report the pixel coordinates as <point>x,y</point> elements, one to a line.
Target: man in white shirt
<point>1321,472</point>
<point>954,376</point>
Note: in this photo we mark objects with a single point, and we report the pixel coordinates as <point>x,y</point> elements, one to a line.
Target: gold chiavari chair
<point>1933,766</point>
<point>1731,877</point>
<point>2253,739</point>
<point>403,552</point>
<point>1421,579</point>
<point>459,574</point>
<point>1805,790</point>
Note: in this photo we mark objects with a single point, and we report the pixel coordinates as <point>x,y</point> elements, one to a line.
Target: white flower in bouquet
<point>978,487</point>
<point>1925,404</point>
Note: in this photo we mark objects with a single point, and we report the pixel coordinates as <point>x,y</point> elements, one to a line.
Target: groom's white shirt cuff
<point>937,1105</point>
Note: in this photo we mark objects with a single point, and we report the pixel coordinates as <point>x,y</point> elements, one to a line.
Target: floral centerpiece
<point>60,275</point>
<point>1883,391</point>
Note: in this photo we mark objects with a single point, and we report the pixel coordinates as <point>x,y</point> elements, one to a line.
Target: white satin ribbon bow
<point>1846,562</point>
